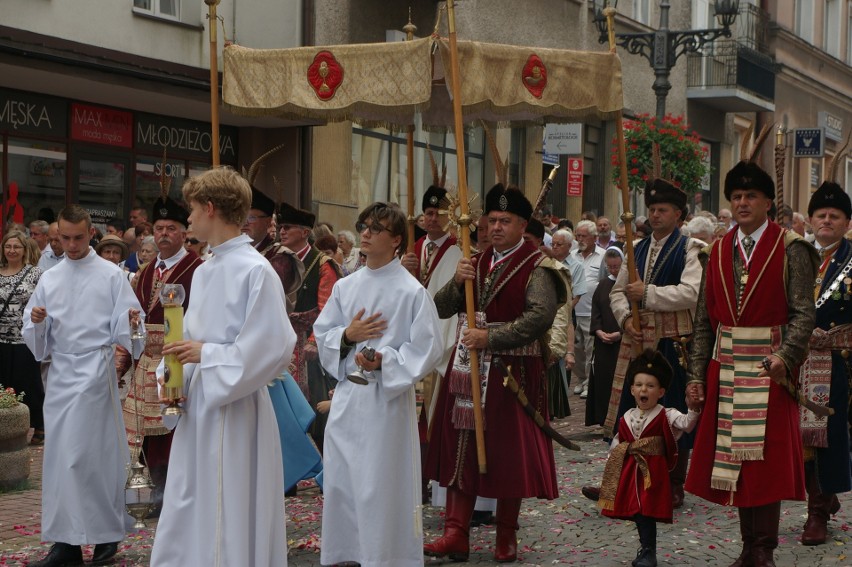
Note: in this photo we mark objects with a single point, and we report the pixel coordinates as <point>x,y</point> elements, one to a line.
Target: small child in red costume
<point>636,482</point>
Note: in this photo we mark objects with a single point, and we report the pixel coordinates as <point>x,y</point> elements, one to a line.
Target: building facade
<point>92,93</point>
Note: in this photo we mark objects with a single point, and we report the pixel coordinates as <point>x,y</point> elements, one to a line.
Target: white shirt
<point>171,262</point>
<point>424,253</point>
<point>49,259</point>
<point>658,244</point>
<point>592,267</point>
<point>498,256</point>
<point>754,236</point>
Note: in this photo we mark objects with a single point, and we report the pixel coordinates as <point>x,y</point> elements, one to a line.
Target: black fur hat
<point>510,200</point>
<point>651,362</point>
<point>435,197</point>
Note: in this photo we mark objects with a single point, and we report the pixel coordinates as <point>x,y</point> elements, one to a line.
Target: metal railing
<point>752,28</point>
<point>741,61</point>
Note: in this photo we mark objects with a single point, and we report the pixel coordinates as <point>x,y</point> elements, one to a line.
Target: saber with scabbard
<point>510,382</point>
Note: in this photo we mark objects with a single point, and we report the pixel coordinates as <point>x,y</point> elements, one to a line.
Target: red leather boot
<point>506,550</point>
<point>678,477</point>
<point>747,533</point>
<point>455,542</point>
<point>820,508</point>
<point>766,519</point>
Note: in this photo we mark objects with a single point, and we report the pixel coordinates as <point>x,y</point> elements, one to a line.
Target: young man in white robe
<point>79,310</point>
<point>224,498</point>
<point>371,513</point>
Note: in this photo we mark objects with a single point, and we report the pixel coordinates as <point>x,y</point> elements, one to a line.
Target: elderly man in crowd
<point>592,257</point>
<point>605,236</point>
<point>53,253</point>
<point>38,232</point>
<point>172,265</point>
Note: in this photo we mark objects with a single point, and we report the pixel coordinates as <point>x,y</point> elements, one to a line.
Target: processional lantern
<point>171,298</point>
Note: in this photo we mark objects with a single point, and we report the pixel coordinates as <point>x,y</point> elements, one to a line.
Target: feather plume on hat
<point>659,190</point>
<point>259,200</point>
<point>747,174</point>
<point>501,167</point>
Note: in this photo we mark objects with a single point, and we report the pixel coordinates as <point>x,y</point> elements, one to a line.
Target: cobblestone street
<point>566,531</point>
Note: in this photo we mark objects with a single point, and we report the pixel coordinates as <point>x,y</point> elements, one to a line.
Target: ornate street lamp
<point>663,46</point>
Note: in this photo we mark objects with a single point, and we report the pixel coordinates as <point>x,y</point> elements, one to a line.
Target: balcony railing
<point>740,63</point>
<point>752,28</point>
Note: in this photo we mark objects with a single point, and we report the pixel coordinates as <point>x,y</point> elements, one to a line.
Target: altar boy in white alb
<point>371,513</point>
<point>224,498</point>
<point>79,310</point>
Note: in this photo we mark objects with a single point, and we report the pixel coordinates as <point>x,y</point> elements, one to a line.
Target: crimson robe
<point>780,475</point>
<point>632,497</point>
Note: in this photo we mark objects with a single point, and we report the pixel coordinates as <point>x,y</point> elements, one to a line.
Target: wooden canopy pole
<point>627,216</point>
<point>214,80</point>
<point>464,230</point>
<point>409,30</point>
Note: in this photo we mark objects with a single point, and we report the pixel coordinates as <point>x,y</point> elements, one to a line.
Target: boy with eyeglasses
<point>372,471</point>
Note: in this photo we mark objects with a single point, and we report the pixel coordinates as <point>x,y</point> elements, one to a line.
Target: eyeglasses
<point>375,228</point>
<point>286,227</point>
<point>192,241</point>
<point>255,218</point>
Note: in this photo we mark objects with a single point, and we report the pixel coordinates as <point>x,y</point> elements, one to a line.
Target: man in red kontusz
<point>517,292</point>
<point>754,318</point>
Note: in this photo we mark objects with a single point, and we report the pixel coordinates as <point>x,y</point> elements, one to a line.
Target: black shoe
<point>61,555</point>
<point>481,518</point>
<point>104,552</point>
<point>647,557</point>
<point>591,492</point>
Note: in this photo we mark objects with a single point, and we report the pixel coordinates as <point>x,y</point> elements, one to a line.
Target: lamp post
<point>663,47</point>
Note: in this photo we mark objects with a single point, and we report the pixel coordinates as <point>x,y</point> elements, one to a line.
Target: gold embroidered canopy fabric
<point>387,83</point>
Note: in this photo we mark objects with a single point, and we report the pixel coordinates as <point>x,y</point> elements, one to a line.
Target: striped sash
<point>743,399</point>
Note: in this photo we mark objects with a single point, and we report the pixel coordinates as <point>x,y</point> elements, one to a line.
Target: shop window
<point>101,185</point>
<point>380,171</point>
<point>35,181</point>
<point>169,9</point>
<point>148,175</point>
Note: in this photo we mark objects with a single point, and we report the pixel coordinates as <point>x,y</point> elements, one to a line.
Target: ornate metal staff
<point>214,80</point>
<point>780,156</point>
<point>409,30</point>
<point>627,216</point>
<point>464,222</point>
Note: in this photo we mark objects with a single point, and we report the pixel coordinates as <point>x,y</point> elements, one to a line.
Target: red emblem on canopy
<point>534,75</point>
<point>325,74</point>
